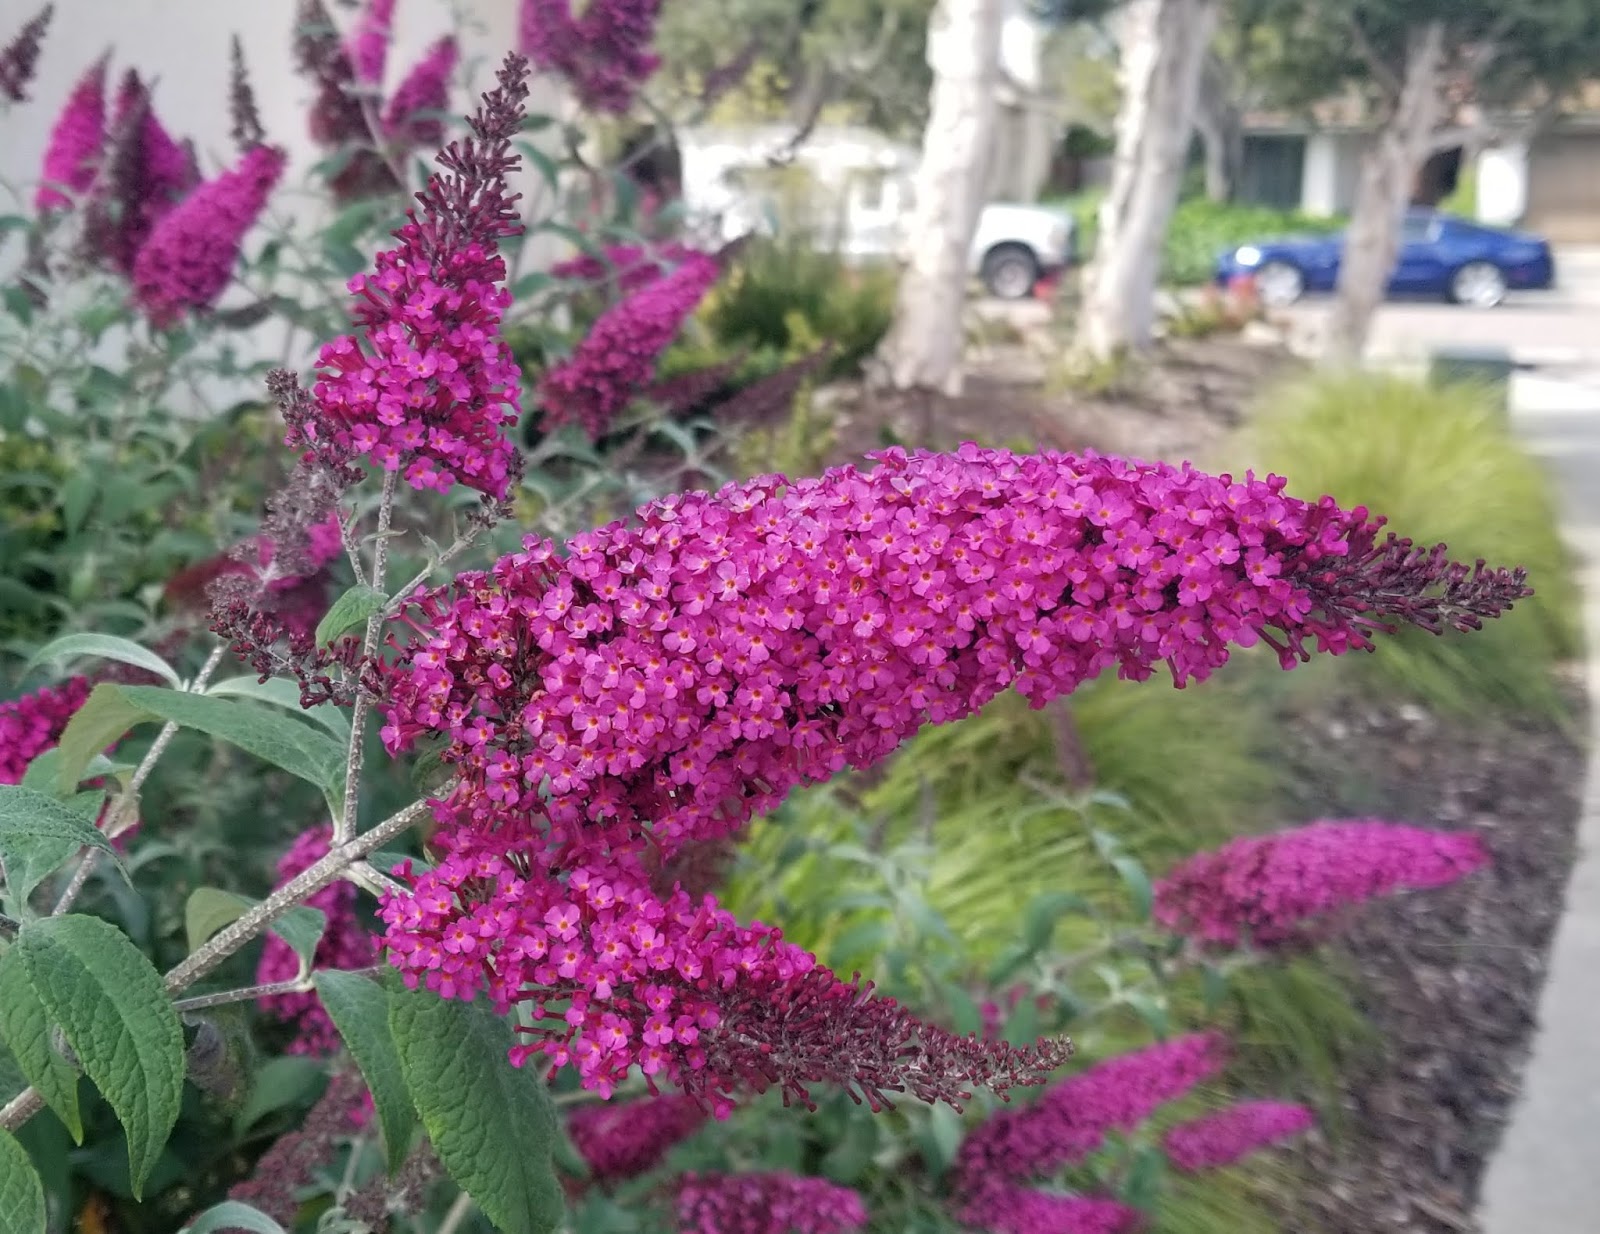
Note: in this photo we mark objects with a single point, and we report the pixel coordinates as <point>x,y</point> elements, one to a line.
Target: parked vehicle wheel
<point>1010,271</point>
<point>1478,284</point>
<point>1279,284</point>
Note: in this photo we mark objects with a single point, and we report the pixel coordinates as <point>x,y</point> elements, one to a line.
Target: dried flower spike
<point>20,57</point>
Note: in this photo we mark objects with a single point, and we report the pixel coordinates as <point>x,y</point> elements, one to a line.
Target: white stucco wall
<point>1332,169</point>
<point>182,45</point>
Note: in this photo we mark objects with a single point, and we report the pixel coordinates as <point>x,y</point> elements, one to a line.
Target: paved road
<point>1545,1178</point>
<point>1555,327</point>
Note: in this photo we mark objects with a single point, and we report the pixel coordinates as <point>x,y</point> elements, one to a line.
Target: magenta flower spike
<point>344,945</point>
<point>1269,889</point>
<point>411,120</point>
<point>1005,1209</point>
<point>624,1139</point>
<point>32,724</point>
<point>1230,1135</point>
<point>775,1203</point>
<point>20,57</point>
<point>369,44</point>
<point>617,358</point>
<point>188,261</point>
<point>670,678</point>
<point>1072,1118</point>
<point>428,388</point>
<point>76,143</point>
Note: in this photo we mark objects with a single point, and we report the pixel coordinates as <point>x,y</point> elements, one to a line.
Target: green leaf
<point>104,717</point>
<point>26,1029</point>
<point>42,773</point>
<point>232,1215</point>
<point>77,496</point>
<point>359,1009</point>
<point>37,834</point>
<point>283,693</point>
<point>1213,987</point>
<point>1143,1186</point>
<point>104,647</point>
<point>281,1082</point>
<point>1022,1025</point>
<point>940,1139</point>
<point>21,1193</point>
<point>492,1124</point>
<point>1138,883</point>
<point>277,739</point>
<point>115,1014</point>
<point>208,910</point>
<point>1044,910</point>
<point>1151,1009</point>
<point>211,909</point>
<point>848,1159</point>
<point>349,611</point>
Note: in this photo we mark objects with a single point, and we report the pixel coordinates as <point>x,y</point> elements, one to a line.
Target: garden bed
<point>1450,980</point>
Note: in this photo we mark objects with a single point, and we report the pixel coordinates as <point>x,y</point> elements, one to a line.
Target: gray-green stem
<point>344,826</point>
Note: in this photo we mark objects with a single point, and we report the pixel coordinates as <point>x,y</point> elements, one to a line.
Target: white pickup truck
<point>853,190</point>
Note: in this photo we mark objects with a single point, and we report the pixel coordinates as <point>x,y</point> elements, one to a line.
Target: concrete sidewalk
<point>1545,1177</point>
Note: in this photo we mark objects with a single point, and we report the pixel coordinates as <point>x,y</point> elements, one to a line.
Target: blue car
<point>1439,256</point>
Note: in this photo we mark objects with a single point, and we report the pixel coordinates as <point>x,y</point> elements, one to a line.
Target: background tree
<point>1163,43</point>
<point>1434,74</point>
<point>923,347</point>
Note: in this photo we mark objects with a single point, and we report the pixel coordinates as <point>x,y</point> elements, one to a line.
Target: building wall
<point>1332,171</point>
<point>1563,193</point>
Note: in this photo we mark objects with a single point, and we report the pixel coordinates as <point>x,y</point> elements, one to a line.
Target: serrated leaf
<point>22,1208</point>
<point>349,611</point>
<point>37,834</point>
<point>284,742</point>
<point>359,1009</point>
<point>210,909</point>
<point>492,1124</point>
<point>115,1014</point>
<point>103,647</point>
<point>280,692</point>
<point>26,1029</point>
<point>232,1215</point>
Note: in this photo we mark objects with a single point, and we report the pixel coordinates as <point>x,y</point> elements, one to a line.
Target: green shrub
<point>1440,465</point>
<point>1201,230</point>
<point>783,296</point>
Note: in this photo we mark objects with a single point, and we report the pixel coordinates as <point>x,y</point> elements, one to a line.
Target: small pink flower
<point>775,1203</point>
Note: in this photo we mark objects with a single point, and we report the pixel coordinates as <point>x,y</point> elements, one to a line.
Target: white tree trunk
<point>1163,43</point>
<point>1388,177</point>
<point>923,348</point>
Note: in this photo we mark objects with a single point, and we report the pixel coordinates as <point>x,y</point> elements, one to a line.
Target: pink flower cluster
<point>411,120</point>
<point>1071,1119</point>
<point>629,266</point>
<point>429,388</point>
<point>368,48</point>
<point>1004,1209</point>
<point>146,174</point>
<point>32,724</point>
<point>1265,889</point>
<point>625,1139</point>
<point>604,55</point>
<point>189,259</point>
<point>617,358</point>
<point>1232,1134</point>
<point>345,944</point>
<point>76,143</point>
<point>617,977</point>
<point>680,674</point>
<point>775,1203</point>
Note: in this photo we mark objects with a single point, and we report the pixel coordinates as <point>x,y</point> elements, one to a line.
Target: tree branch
<point>1383,73</point>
